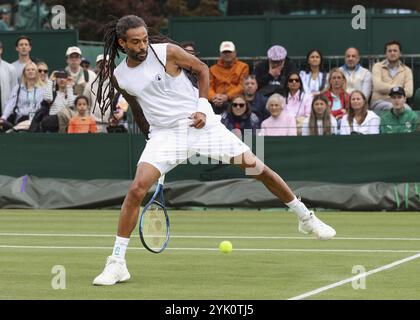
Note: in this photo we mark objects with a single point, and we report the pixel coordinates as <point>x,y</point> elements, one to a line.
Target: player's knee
<point>138,191</point>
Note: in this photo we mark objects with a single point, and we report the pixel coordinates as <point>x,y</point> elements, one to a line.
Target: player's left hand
<point>199,120</point>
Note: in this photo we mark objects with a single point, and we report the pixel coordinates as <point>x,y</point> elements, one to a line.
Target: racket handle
<point>161,179</point>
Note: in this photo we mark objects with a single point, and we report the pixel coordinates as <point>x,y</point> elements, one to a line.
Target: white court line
<point>202,237</point>
<point>361,275</point>
<point>216,249</point>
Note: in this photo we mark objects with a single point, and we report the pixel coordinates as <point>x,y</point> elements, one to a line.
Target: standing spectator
<point>81,77</point>
<point>8,80</point>
<point>226,77</point>
<point>389,73</point>
<point>359,119</point>
<point>280,123</point>
<point>256,100</point>
<point>26,97</point>
<point>337,94</point>
<point>271,73</point>
<point>90,92</point>
<point>320,122</point>
<point>43,73</point>
<point>314,78</point>
<point>298,102</point>
<point>23,47</point>
<point>85,63</point>
<point>400,119</point>
<point>83,122</point>
<point>357,77</point>
<point>239,117</point>
<point>4,19</point>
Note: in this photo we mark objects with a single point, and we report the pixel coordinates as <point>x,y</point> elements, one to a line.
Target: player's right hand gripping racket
<point>154,222</point>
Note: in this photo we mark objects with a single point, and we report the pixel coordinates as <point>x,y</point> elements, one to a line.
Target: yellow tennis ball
<point>225,246</point>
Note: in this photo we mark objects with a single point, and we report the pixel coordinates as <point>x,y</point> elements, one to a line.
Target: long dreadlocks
<point>114,30</point>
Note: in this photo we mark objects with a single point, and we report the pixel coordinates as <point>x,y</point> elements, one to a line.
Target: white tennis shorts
<point>168,147</point>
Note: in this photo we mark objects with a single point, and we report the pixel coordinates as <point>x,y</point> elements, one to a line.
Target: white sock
<point>120,247</point>
<point>299,208</point>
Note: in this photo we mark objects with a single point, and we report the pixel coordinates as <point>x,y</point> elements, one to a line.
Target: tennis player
<point>179,122</point>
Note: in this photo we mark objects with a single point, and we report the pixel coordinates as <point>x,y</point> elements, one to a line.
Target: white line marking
<point>216,249</point>
<point>201,237</point>
<point>361,275</point>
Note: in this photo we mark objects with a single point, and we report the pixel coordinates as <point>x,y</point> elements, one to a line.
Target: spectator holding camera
<point>359,120</point>
<point>26,97</point>
<point>400,119</point>
<point>82,122</point>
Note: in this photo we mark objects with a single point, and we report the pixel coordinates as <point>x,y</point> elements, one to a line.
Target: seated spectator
<point>58,95</point>
<point>226,77</point>
<point>280,123</point>
<point>83,122</point>
<point>320,122</point>
<point>117,122</point>
<point>271,73</point>
<point>357,77</point>
<point>336,93</point>
<point>8,80</point>
<point>81,77</point>
<point>43,73</point>
<point>359,119</point>
<point>239,117</point>
<point>256,100</point>
<point>400,119</point>
<point>26,97</point>
<point>90,92</point>
<point>190,47</point>
<point>23,47</point>
<point>298,102</point>
<point>390,73</point>
<point>314,78</point>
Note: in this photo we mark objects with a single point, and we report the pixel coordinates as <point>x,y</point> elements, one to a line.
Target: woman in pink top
<point>280,123</point>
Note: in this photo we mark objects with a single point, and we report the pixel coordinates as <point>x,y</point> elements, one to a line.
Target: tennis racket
<point>154,222</point>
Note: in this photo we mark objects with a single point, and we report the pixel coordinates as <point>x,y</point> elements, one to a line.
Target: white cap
<point>71,50</point>
<point>227,46</point>
<point>100,57</point>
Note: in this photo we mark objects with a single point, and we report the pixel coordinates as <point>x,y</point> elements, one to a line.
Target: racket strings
<point>154,227</point>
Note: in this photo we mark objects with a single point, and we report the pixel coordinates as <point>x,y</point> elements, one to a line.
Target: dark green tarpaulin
<point>46,193</point>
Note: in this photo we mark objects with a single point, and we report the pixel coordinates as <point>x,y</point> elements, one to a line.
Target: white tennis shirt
<point>165,100</point>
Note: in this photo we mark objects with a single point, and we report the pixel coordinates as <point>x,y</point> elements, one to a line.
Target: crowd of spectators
<point>286,101</point>
<point>34,98</point>
<point>273,99</point>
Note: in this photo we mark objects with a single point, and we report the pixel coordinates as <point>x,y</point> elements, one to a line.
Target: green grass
<point>281,271</point>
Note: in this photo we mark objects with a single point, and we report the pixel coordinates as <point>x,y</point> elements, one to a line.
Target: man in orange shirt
<point>226,77</point>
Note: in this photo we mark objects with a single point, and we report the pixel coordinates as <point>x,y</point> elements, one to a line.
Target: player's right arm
<point>135,108</point>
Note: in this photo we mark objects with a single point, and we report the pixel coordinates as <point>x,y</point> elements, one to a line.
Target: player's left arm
<point>177,59</point>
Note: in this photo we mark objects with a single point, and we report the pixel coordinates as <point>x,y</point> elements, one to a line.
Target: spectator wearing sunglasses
<point>43,73</point>
<point>238,117</point>
<point>280,123</point>
<point>298,102</point>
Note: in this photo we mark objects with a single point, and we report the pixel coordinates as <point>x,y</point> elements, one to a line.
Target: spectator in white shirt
<point>359,120</point>
<point>8,80</point>
<point>314,77</point>
<point>358,78</point>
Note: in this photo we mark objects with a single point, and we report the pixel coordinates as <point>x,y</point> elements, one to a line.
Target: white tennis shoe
<point>115,271</point>
<point>314,225</point>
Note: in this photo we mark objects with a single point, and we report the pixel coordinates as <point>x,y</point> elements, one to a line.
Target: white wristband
<point>204,106</point>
